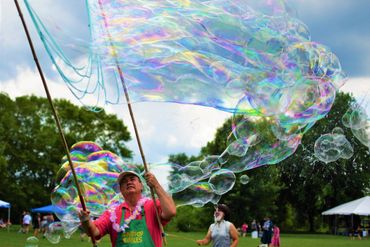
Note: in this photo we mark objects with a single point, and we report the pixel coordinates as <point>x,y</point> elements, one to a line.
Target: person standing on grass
<point>267,231</point>
<point>222,233</point>
<point>26,222</point>
<point>36,222</point>
<point>275,242</point>
<point>244,229</point>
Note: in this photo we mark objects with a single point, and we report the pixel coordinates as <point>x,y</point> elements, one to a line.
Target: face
<point>130,184</point>
<point>219,215</point>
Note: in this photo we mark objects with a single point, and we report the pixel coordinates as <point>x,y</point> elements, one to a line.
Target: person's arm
<point>88,225</point>
<point>234,235</point>
<point>206,240</point>
<point>167,204</point>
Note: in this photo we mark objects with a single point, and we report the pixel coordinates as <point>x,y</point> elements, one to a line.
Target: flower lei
<point>113,217</point>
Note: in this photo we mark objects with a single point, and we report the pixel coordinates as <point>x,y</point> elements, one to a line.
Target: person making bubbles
<point>133,223</point>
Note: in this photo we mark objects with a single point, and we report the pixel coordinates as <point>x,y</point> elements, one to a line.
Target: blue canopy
<point>48,209</point>
<point>4,204</point>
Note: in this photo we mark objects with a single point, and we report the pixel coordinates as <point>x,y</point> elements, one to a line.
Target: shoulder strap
<point>227,224</point>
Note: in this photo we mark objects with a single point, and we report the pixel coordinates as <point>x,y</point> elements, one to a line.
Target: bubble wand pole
<point>55,114</point>
<point>131,114</point>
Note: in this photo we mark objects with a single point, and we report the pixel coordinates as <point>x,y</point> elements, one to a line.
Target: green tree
<point>31,149</point>
<point>312,186</point>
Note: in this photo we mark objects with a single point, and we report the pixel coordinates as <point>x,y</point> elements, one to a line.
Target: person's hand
<point>151,180</point>
<point>84,215</point>
<point>199,242</point>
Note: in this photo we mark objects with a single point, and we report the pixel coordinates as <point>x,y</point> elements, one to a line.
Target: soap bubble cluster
<point>244,179</point>
<point>97,171</point>
<point>331,147</point>
<point>357,120</point>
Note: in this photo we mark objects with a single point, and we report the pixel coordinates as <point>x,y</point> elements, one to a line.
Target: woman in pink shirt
<point>276,237</point>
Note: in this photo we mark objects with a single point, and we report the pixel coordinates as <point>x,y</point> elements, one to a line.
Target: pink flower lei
<point>113,217</point>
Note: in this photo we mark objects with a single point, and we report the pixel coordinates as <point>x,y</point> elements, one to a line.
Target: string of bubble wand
<point>55,114</point>
<point>128,101</point>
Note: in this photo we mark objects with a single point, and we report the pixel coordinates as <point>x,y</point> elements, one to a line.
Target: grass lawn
<point>14,239</point>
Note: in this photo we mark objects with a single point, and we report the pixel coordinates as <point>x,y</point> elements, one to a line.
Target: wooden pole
<point>55,114</point>
<point>131,116</point>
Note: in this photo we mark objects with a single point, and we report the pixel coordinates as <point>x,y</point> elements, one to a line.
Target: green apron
<point>137,235</point>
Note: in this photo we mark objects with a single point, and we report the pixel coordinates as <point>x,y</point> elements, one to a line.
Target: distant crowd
<point>268,232</point>
<point>40,224</point>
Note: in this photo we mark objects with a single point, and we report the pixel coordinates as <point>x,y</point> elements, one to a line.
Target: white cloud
<point>28,82</point>
<point>358,86</point>
<point>166,128</point>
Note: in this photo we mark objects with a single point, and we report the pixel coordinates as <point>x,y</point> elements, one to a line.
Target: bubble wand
<point>122,79</point>
<point>55,114</point>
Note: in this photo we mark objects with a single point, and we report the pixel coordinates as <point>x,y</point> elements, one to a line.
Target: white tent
<point>359,207</point>
<point>6,205</point>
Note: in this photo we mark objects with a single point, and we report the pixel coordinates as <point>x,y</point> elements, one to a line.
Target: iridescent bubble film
<point>54,232</point>
<point>244,179</point>
<point>97,171</point>
<point>331,147</point>
<point>253,59</point>
<point>32,242</point>
<point>357,120</point>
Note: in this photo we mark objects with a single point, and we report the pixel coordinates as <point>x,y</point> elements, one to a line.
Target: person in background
<point>2,223</point>
<point>44,224</point>
<point>222,233</point>
<point>254,229</point>
<point>259,230</point>
<point>244,229</point>
<point>36,222</point>
<point>357,232</point>
<point>275,242</point>
<point>267,231</point>
<point>26,222</point>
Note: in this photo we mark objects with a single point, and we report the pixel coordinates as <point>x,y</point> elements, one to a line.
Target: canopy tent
<point>359,207</point>
<point>6,205</point>
<point>48,209</point>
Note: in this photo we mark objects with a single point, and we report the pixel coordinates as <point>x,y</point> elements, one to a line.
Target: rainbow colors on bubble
<point>252,59</point>
<point>97,171</point>
<point>220,54</point>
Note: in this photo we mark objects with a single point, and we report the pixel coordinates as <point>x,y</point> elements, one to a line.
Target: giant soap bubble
<point>252,59</point>
<point>97,171</point>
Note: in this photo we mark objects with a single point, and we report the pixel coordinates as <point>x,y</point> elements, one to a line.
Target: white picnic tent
<point>6,205</point>
<point>359,207</point>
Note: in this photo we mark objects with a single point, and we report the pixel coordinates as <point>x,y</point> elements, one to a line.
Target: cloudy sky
<point>343,25</point>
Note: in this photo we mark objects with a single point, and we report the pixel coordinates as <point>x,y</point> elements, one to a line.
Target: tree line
<point>31,149</point>
<point>293,193</point>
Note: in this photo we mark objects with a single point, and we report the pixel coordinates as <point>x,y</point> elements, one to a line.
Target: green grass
<point>14,239</point>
